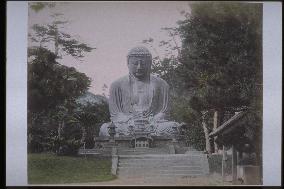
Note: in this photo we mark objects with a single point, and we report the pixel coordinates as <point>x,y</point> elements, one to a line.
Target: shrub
<point>215,163</point>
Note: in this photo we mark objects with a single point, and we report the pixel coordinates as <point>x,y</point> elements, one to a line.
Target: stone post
<point>111,133</point>
<point>172,149</point>
<point>114,161</point>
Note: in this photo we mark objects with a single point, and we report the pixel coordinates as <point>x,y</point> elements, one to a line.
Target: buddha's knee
<point>104,130</point>
<point>166,128</point>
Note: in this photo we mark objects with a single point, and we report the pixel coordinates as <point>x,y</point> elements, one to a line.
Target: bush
<point>70,141</point>
<point>215,163</point>
<point>195,137</point>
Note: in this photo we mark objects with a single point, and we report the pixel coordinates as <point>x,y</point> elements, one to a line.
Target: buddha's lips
<point>140,72</point>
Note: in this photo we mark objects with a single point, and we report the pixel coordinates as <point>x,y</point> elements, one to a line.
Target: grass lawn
<point>52,169</point>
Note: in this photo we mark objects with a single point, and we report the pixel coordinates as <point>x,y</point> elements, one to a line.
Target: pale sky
<point>113,28</point>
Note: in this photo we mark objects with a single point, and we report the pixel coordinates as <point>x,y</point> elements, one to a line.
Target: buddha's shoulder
<point>159,81</point>
<point>120,81</point>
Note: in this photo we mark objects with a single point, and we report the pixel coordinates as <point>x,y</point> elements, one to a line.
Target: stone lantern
<point>175,135</point>
<point>111,131</point>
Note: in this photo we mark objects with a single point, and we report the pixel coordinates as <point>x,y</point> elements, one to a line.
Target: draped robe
<point>130,97</point>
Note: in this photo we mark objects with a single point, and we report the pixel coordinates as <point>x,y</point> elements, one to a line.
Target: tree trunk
<point>215,125</point>
<point>56,41</point>
<point>217,117</point>
<point>206,134</point>
<point>84,134</point>
<point>61,125</point>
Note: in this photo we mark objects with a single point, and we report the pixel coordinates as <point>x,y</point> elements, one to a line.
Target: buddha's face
<point>139,67</point>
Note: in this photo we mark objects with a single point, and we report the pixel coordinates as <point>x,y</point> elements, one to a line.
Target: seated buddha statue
<point>139,100</point>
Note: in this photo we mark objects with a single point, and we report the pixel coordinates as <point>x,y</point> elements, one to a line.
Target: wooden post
<point>234,165</point>
<point>215,126</point>
<point>85,150</point>
<point>224,159</point>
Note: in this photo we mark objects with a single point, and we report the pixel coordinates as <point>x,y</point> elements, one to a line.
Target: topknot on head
<point>139,51</point>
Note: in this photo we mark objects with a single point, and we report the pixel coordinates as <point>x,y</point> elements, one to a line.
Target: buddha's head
<point>139,60</point>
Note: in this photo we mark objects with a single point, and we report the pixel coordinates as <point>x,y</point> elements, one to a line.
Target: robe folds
<point>126,100</point>
<point>130,99</point>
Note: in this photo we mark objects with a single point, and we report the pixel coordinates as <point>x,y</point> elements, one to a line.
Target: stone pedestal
<point>128,141</point>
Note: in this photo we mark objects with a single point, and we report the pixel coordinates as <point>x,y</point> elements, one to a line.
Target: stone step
<point>162,165</point>
<point>171,167</point>
<point>158,171</point>
<point>165,170</point>
<point>139,151</point>
<point>173,176</point>
<point>159,163</point>
<point>142,149</point>
<point>176,160</point>
<point>142,152</point>
<point>161,157</point>
<point>157,175</point>
<point>145,151</point>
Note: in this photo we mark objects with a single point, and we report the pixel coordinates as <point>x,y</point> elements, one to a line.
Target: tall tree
<point>218,67</point>
<point>52,90</point>
<point>52,87</point>
<point>221,52</point>
<point>53,37</point>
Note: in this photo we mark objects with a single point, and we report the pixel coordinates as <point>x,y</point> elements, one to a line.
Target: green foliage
<point>50,84</point>
<point>195,137</point>
<point>38,6</point>
<point>221,52</point>
<point>91,117</point>
<point>215,163</point>
<point>44,35</point>
<point>218,66</point>
<point>51,169</point>
<point>221,49</point>
<point>52,90</point>
<point>51,34</point>
<point>70,139</point>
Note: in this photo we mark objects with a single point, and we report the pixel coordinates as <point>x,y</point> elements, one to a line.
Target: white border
<point>272,93</point>
<point>16,92</point>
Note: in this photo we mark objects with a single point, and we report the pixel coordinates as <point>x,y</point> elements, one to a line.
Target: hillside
<point>91,98</point>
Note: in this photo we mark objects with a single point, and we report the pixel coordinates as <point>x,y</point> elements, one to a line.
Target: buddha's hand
<point>122,118</point>
<point>140,120</point>
<point>159,116</point>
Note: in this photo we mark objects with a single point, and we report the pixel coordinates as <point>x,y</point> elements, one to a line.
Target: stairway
<point>141,151</point>
<point>154,166</point>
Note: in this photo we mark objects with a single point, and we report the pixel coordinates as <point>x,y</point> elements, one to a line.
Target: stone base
<point>127,141</point>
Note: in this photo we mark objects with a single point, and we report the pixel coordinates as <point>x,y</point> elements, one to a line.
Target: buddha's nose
<point>139,66</point>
